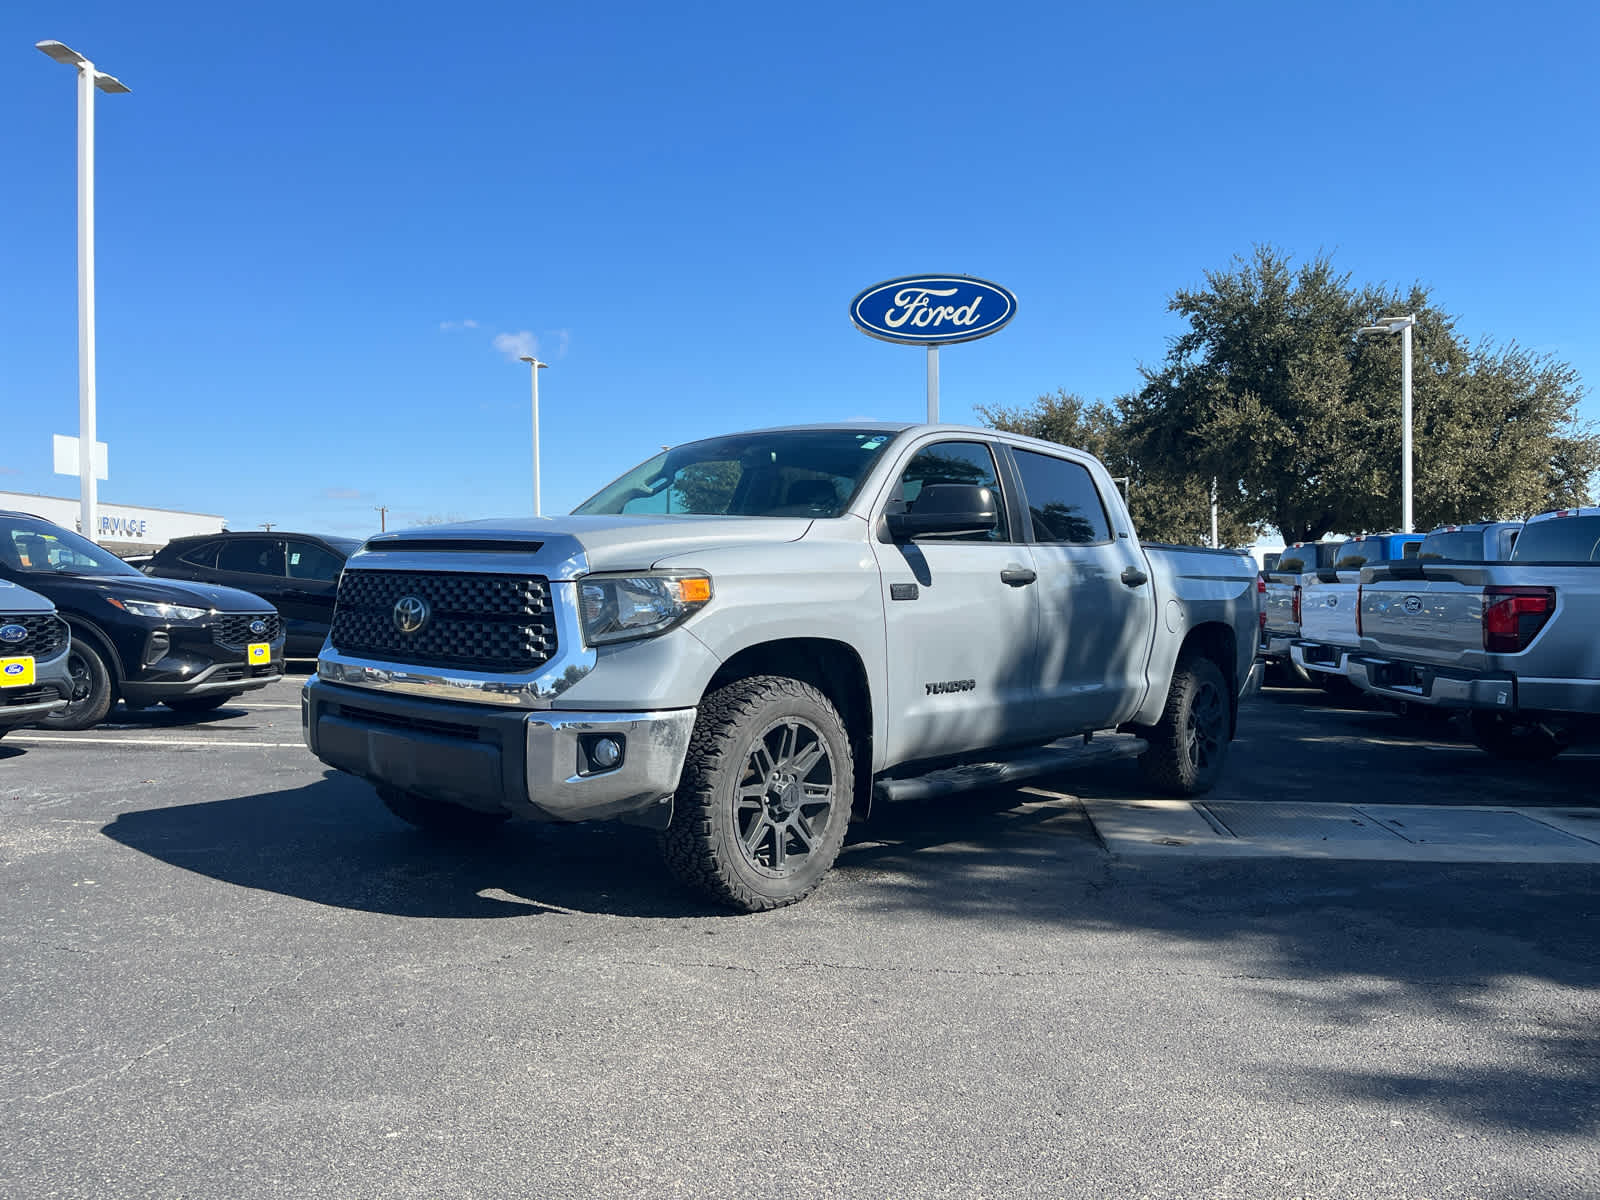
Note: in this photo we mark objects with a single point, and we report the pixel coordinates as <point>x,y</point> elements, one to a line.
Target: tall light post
<point>1402,326</point>
<point>88,80</point>
<point>535,366</point>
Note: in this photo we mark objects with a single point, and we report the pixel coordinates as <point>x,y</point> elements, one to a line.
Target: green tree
<point>1166,507</point>
<point>1270,391</point>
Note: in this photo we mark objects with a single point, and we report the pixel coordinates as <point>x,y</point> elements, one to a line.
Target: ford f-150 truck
<point>1512,644</point>
<point>1281,599</point>
<point>744,640</point>
<point>1328,605</point>
<point>34,680</point>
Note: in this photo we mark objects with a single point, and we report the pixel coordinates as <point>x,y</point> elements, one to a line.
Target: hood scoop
<point>456,545</point>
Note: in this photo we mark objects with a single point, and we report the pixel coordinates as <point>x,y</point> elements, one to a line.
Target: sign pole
<point>933,385</point>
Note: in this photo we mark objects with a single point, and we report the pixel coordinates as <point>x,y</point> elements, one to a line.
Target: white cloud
<point>515,345</point>
<point>343,493</point>
<point>447,326</point>
<point>563,340</point>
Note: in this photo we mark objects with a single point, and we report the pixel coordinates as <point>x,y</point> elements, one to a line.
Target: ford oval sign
<point>932,310</point>
<point>13,633</point>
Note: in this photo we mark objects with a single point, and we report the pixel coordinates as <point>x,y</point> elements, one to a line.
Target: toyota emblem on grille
<point>1412,605</point>
<point>410,613</point>
<point>13,633</point>
<point>258,627</point>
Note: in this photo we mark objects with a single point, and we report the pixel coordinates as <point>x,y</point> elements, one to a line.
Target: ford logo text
<point>932,310</point>
<point>1412,605</point>
<point>13,633</point>
<point>258,627</point>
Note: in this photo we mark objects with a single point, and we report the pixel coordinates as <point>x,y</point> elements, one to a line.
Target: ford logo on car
<point>1412,605</point>
<point>14,668</point>
<point>410,613</point>
<point>13,633</point>
<point>932,310</point>
<point>258,627</point>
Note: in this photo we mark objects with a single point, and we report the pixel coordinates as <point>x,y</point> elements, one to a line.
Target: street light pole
<point>535,366</point>
<point>1402,326</point>
<point>88,80</point>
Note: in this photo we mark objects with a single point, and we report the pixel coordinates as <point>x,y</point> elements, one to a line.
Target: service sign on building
<point>932,310</point>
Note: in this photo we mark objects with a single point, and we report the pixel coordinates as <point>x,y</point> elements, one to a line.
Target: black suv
<point>298,573</point>
<point>144,640</point>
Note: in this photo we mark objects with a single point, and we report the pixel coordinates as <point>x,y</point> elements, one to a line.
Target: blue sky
<point>316,221</point>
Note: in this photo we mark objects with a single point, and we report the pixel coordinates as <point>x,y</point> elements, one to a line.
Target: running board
<point>1064,755</point>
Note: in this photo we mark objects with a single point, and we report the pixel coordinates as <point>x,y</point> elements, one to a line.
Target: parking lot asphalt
<point>229,972</point>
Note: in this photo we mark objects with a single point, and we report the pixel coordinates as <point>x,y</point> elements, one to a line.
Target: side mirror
<point>946,508</point>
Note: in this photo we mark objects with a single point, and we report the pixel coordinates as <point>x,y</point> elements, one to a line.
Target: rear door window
<point>203,555</point>
<point>1063,503</point>
<point>252,556</point>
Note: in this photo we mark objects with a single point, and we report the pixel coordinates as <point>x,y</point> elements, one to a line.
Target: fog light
<point>606,753</point>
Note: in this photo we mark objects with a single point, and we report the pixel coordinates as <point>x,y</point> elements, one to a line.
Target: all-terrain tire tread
<point>688,845</point>
<point>1164,764</point>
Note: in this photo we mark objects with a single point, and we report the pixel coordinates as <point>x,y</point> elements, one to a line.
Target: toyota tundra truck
<point>1510,644</point>
<point>746,640</point>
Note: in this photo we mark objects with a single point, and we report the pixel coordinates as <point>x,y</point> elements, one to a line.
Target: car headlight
<point>616,608</point>
<point>158,612</point>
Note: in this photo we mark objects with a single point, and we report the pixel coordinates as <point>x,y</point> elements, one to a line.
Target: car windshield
<point>34,547</point>
<point>780,473</point>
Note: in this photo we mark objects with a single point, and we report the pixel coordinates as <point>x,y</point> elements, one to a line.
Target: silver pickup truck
<point>744,640</point>
<point>1281,603</point>
<point>1513,644</point>
<point>1328,605</point>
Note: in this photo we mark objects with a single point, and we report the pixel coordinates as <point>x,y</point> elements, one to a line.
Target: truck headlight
<point>616,608</point>
<point>158,612</point>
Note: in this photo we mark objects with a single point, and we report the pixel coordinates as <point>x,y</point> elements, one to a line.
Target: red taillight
<point>1261,602</point>
<point>1513,616</point>
<point>1297,604</point>
<point>1359,588</point>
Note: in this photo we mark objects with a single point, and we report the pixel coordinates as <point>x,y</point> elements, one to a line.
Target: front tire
<point>764,802</point>
<point>92,691</point>
<point>1513,740</point>
<point>1188,747</point>
<point>440,817</point>
<point>198,704</point>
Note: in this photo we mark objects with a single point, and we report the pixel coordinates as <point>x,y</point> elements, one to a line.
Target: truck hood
<point>563,546</point>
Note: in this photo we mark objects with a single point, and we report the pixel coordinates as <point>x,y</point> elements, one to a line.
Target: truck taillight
<point>1359,588</point>
<point>1261,603</point>
<point>1513,616</point>
<point>1297,604</point>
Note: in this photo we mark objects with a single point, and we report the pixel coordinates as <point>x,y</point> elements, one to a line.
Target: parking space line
<point>47,739</point>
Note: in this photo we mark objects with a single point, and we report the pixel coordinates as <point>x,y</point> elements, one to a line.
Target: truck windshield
<point>1560,539</point>
<point>31,546</point>
<point>780,473</point>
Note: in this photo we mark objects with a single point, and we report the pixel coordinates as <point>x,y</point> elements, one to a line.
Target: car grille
<point>232,630</point>
<point>486,622</point>
<point>47,637</point>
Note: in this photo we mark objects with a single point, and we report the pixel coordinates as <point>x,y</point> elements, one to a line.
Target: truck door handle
<point>1018,576</point>
<point>1133,577</point>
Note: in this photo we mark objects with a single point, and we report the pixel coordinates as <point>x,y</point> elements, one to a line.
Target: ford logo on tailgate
<point>13,633</point>
<point>932,310</point>
<point>1412,605</point>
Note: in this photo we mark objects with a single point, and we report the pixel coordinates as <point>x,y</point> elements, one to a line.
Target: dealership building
<point>124,528</point>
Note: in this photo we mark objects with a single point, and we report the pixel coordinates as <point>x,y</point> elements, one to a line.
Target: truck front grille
<point>47,637</point>
<point>485,622</point>
<point>232,630</point>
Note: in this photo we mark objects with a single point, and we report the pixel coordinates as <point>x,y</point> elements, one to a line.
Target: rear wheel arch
<point>1215,641</point>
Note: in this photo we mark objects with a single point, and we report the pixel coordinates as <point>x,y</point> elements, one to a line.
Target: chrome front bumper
<point>538,765</point>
